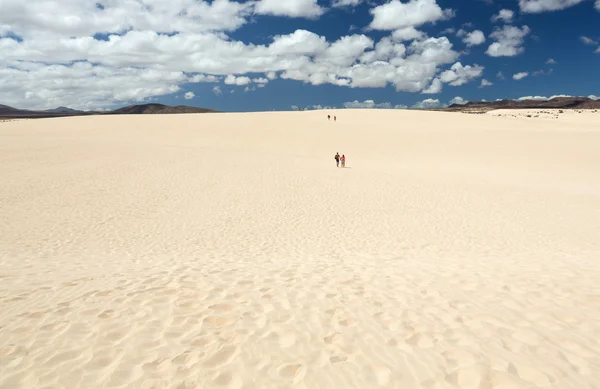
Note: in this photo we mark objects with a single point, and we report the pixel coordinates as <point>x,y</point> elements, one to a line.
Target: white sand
<point>228,251</point>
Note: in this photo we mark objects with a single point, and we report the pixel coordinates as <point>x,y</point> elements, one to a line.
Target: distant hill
<point>555,103</point>
<point>63,110</point>
<point>144,109</point>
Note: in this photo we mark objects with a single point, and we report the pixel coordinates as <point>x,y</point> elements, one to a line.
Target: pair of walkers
<point>339,160</point>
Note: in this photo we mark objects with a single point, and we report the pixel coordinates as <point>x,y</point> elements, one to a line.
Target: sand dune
<point>228,251</point>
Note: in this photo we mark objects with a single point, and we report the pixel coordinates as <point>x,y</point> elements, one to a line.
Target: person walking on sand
<point>328,117</point>
<point>335,118</point>
<point>343,159</point>
<point>337,159</point>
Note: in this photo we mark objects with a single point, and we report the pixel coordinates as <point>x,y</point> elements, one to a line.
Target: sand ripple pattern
<point>138,253</point>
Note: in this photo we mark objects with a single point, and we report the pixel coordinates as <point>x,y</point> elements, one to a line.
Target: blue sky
<point>276,54</point>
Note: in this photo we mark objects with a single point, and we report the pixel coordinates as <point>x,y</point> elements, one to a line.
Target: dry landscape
<point>228,251</point>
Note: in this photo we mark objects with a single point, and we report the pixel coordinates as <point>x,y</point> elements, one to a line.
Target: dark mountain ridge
<point>555,103</point>
<point>143,109</point>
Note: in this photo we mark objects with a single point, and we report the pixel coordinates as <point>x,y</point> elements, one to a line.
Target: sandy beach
<point>228,251</point>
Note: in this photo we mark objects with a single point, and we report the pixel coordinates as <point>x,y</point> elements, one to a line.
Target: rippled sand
<point>228,251</point>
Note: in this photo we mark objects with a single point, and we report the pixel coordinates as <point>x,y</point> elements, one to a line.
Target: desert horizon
<point>229,251</point>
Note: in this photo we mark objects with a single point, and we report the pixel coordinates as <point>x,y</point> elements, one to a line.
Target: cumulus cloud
<point>550,61</point>
<point>372,104</point>
<point>520,76</point>
<point>77,54</point>
<point>459,75</point>
<point>588,41</point>
<point>458,101</point>
<point>594,97</point>
<point>290,8</point>
<point>540,98</point>
<point>485,83</point>
<point>395,14</point>
<point>537,6</point>
<point>238,81</point>
<point>217,91</point>
<point>505,15</point>
<point>474,38</point>
<point>407,34</point>
<point>428,103</point>
<point>509,41</point>
<point>500,75</point>
<point>345,3</point>
<point>189,95</point>
<point>598,5</point>
<point>435,87</point>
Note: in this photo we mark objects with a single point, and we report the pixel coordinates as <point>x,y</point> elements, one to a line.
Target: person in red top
<point>343,159</point>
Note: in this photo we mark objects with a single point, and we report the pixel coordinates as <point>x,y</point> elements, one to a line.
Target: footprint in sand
<point>294,372</point>
<point>378,373</point>
<point>227,380</point>
<point>106,314</point>
<point>472,377</point>
<point>222,307</point>
<point>285,339</point>
<point>187,358</point>
<point>458,358</point>
<point>333,339</point>
<point>421,341</point>
<point>222,357</point>
<point>530,374</point>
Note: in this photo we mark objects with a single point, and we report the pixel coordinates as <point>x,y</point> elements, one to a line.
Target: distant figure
<point>334,118</point>
<point>328,117</point>
<point>343,159</point>
<point>337,159</point>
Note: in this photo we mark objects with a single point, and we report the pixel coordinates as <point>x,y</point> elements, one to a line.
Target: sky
<point>268,55</point>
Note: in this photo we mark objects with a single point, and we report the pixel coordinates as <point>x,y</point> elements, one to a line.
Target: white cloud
<point>551,61</point>
<point>346,3</point>
<point>509,41</point>
<point>536,6</point>
<point>290,8</point>
<point>435,87</point>
<point>204,78</point>
<point>189,95</point>
<point>485,83</point>
<point>396,15</point>
<point>588,41</point>
<point>594,97</point>
<point>55,18</point>
<point>371,104</point>
<point>217,90</point>
<point>540,98</point>
<point>459,75</point>
<point>300,42</point>
<point>238,81</point>
<point>500,75</point>
<point>458,100</point>
<point>474,38</point>
<point>407,34</point>
<point>153,48</point>
<point>428,103</point>
<point>505,15</point>
<point>598,5</point>
<point>83,86</point>
<point>520,76</point>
